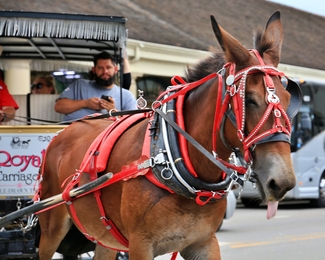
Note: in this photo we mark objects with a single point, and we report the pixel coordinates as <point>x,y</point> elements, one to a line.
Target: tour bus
<point>308,150</point>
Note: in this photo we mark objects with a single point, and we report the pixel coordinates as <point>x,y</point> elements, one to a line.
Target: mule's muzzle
<point>278,189</point>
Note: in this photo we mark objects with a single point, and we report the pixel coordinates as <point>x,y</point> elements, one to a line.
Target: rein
<point>111,113</point>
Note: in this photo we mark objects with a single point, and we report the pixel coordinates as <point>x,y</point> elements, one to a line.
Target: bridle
<point>233,107</point>
<point>230,104</point>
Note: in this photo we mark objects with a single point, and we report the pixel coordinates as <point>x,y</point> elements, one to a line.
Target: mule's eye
<point>250,102</point>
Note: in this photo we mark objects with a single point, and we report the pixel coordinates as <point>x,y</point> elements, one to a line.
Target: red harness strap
<point>100,145</point>
<point>95,161</point>
<point>182,140</point>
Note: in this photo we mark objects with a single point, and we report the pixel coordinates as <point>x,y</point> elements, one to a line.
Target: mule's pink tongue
<point>272,208</point>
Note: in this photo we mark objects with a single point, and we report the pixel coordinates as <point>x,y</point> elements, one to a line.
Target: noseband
<point>233,106</point>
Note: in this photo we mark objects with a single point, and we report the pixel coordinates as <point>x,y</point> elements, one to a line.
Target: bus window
<point>310,120</point>
<point>302,129</point>
<point>319,108</point>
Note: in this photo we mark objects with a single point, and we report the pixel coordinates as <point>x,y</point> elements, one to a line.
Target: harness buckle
<point>279,128</point>
<point>236,179</point>
<point>240,135</point>
<point>272,97</point>
<point>232,90</point>
<point>277,113</point>
<point>146,164</point>
<point>76,176</point>
<point>160,158</point>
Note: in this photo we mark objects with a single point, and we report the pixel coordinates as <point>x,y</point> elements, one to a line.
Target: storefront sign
<point>20,158</point>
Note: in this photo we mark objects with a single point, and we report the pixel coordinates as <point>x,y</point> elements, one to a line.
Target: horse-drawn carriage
<point>42,43</point>
<point>155,180</point>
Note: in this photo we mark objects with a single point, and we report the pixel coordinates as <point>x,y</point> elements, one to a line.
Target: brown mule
<point>183,213</point>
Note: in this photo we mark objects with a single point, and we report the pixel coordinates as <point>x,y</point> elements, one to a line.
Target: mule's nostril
<point>278,190</point>
<point>272,186</point>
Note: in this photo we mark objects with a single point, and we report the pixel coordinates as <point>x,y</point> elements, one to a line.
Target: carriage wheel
<point>320,202</point>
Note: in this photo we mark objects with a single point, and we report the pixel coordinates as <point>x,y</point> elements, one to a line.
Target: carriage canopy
<point>68,39</point>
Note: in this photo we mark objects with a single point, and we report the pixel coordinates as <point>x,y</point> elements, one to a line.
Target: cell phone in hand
<point>107,98</point>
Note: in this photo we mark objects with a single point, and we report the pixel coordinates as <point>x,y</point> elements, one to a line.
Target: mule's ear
<point>216,30</point>
<point>233,49</point>
<point>269,42</point>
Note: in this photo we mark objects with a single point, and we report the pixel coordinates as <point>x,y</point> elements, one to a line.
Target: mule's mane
<point>211,64</point>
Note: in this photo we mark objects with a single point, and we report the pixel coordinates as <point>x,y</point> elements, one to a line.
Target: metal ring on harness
<point>166,173</point>
<point>153,105</point>
<point>112,111</point>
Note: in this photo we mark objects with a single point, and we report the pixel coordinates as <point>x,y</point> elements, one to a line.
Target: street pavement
<point>296,232</point>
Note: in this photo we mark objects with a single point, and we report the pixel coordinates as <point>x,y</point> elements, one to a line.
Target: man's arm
<point>7,113</point>
<point>67,106</point>
<point>126,71</point>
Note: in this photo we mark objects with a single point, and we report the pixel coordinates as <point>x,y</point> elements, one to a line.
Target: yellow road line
<point>251,244</point>
<point>286,239</point>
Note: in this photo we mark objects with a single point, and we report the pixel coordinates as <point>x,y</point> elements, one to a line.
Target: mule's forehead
<point>263,73</point>
<point>256,83</point>
<point>254,59</point>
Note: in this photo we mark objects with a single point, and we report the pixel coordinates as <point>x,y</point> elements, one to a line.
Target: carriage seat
<point>35,106</point>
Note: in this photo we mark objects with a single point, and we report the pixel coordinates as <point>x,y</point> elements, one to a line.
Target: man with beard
<point>84,97</point>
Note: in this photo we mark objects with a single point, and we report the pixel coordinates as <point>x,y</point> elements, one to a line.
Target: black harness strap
<point>118,113</point>
<point>230,173</point>
<point>90,117</point>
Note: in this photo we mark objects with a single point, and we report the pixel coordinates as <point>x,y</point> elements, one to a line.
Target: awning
<point>50,41</point>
